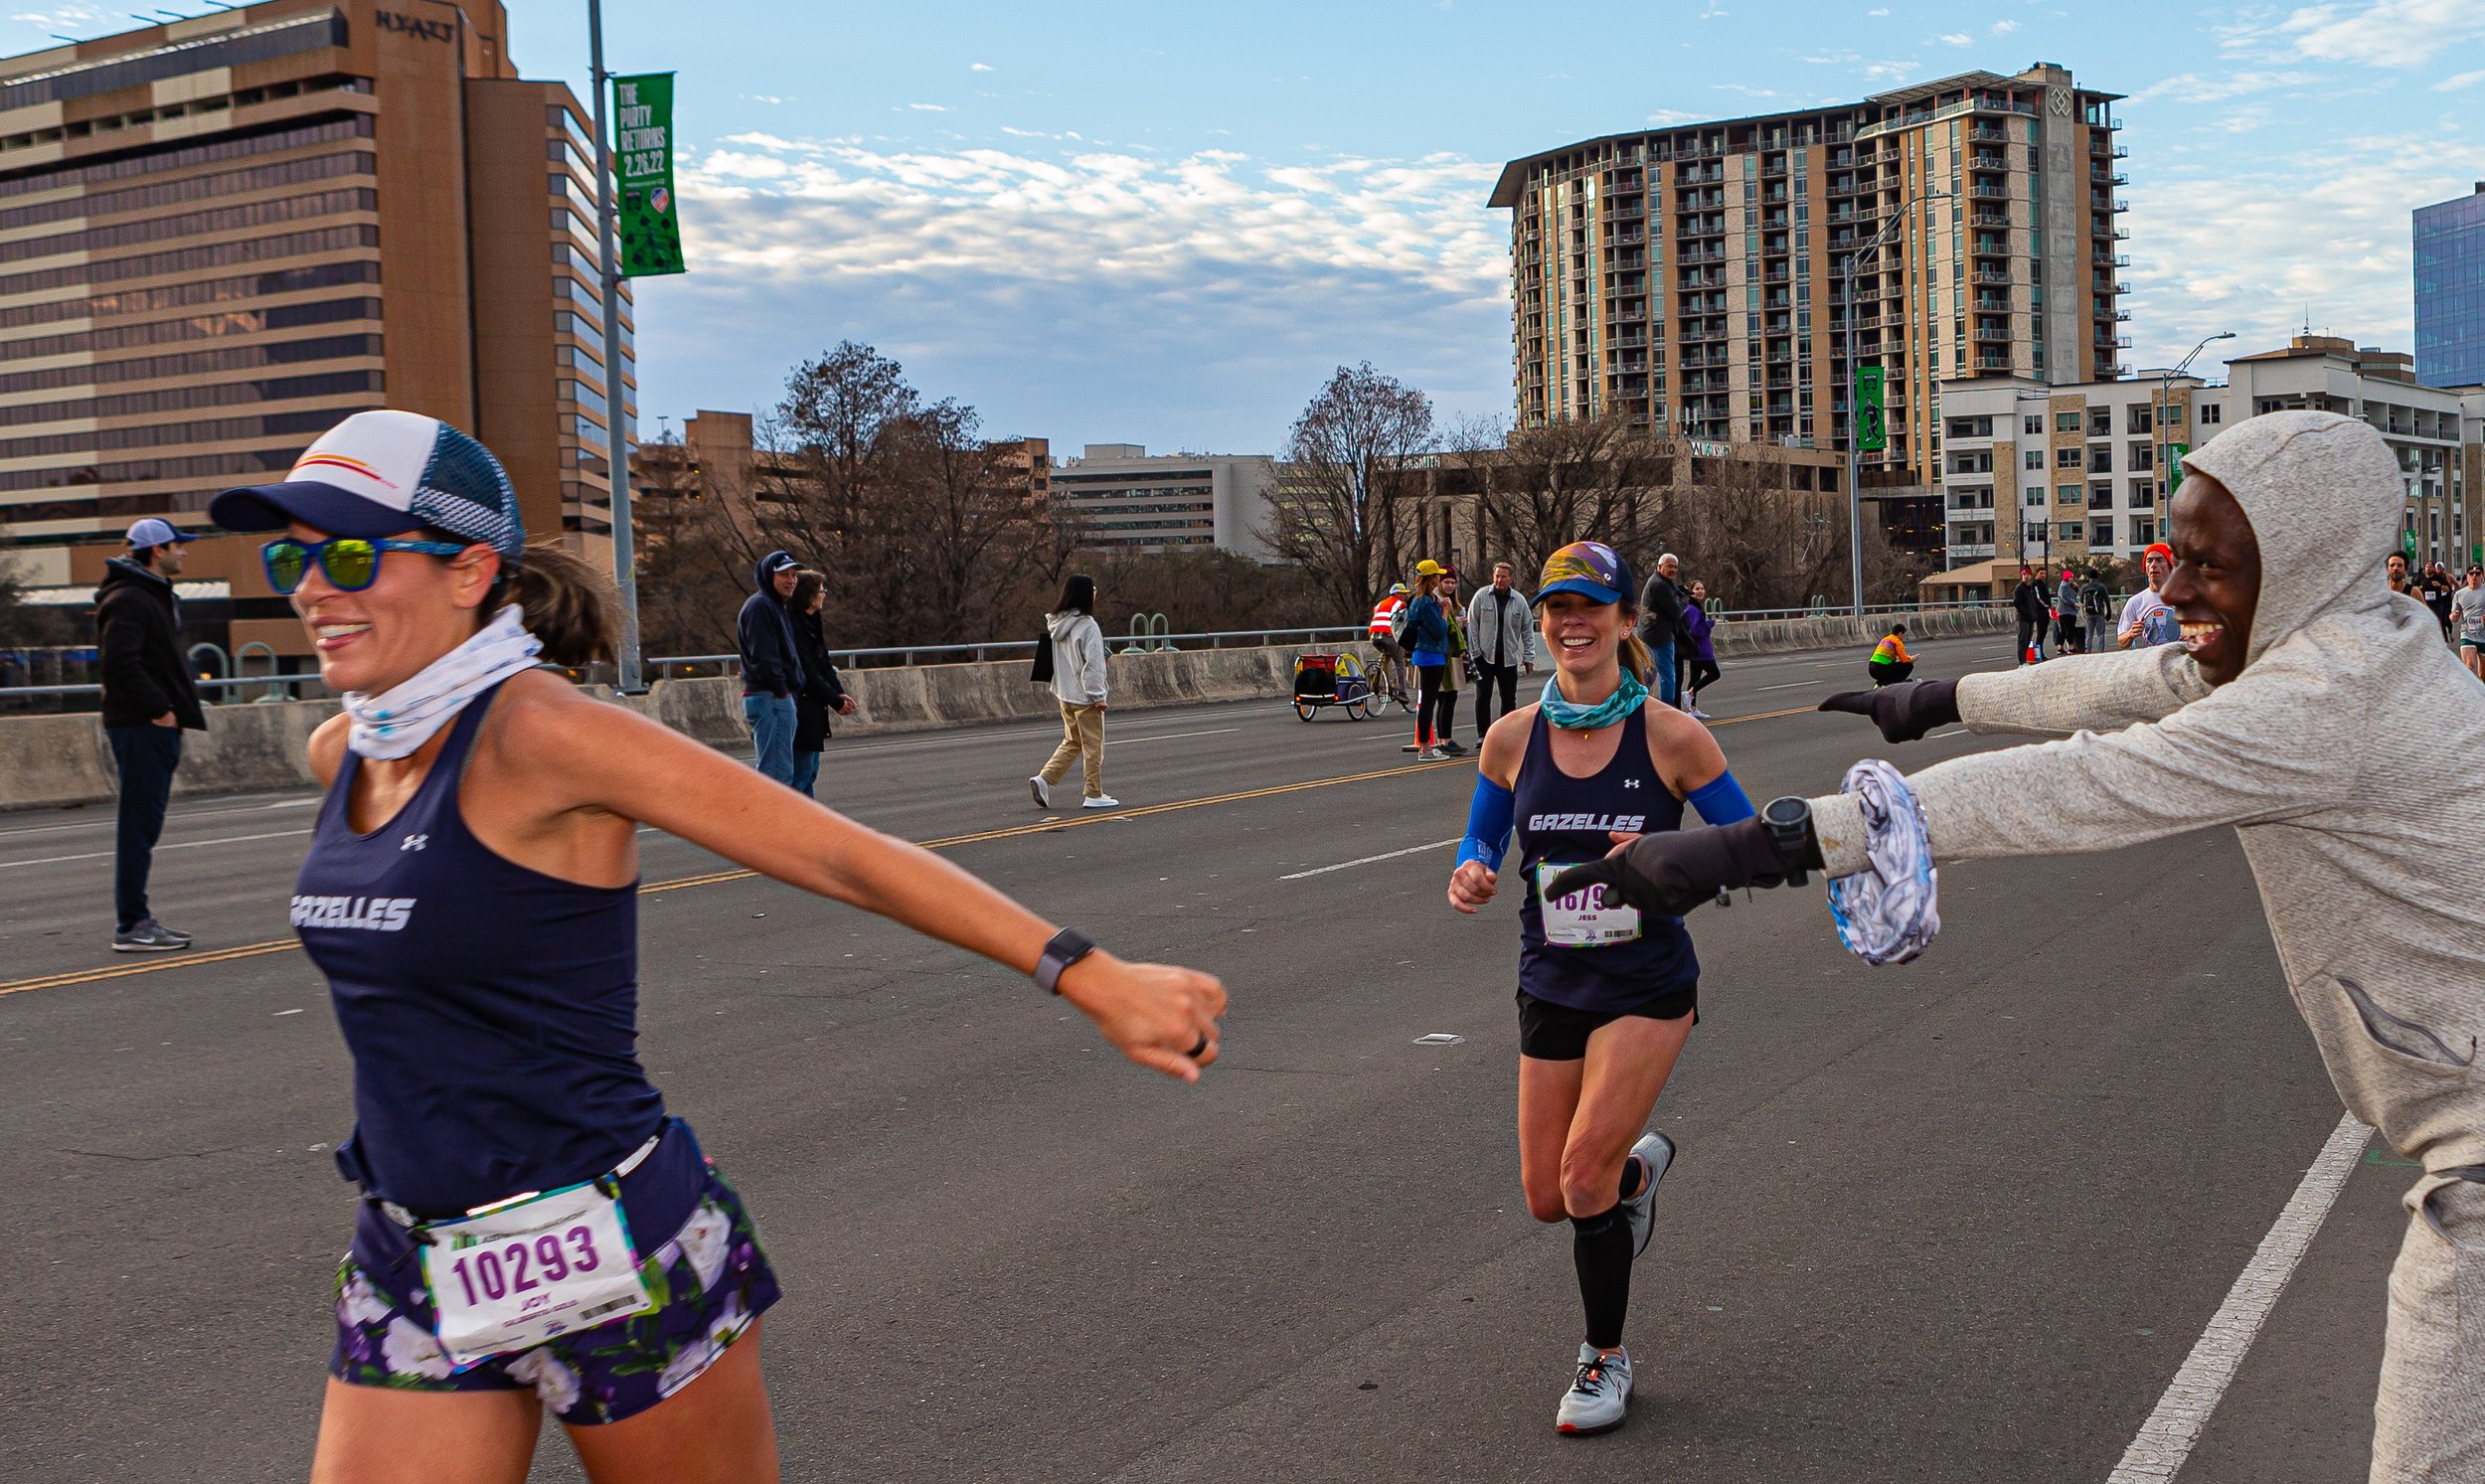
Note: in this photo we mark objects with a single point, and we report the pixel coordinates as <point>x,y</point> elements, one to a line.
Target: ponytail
<point>1636,655</point>
<point>567,603</point>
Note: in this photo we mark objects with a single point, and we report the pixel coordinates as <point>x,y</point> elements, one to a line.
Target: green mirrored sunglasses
<point>349,563</point>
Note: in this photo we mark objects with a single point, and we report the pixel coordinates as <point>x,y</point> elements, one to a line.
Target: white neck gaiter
<point>403,716</point>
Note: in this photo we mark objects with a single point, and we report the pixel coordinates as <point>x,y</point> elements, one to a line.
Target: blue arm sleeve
<point>1489,816</point>
<point>1721,801</point>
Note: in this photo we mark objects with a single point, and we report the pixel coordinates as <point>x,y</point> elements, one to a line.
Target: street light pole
<point>2164,398</point>
<point>1855,491</point>
<point>616,439</point>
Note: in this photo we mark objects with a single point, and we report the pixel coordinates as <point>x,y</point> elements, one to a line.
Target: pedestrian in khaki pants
<point>1079,684</point>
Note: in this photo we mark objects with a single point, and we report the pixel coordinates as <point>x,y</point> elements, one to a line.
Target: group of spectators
<point>1490,641</point>
<point>790,687</point>
<point>2072,612</point>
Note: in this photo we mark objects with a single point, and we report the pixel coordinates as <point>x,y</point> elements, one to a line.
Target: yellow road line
<point>718,878</point>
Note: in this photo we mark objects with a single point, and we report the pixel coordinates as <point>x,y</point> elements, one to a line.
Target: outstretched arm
<point>2098,691</point>
<point>2263,749</point>
<point>580,753</point>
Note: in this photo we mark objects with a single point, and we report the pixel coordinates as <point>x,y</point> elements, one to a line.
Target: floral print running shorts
<point>709,1281</point>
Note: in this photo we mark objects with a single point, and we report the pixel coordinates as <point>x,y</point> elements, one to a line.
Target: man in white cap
<point>148,701</point>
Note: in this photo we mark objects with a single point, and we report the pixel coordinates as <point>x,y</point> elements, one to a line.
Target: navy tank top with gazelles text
<point>1565,820</point>
<point>491,1010</point>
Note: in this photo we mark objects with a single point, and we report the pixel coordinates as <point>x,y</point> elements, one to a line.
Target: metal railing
<point>690,666</point>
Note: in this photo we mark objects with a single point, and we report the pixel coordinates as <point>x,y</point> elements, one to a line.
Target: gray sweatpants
<point>2429,1419</point>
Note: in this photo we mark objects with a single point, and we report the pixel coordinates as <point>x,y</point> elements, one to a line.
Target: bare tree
<point>1584,478</point>
<point>1339,511</point>
<point>969,533</point>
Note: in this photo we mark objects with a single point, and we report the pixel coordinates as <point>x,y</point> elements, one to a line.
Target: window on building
<point>2101,532</point>
<point>2033,495</point>
<point>2143,531</point>
<point>2032,423</point>
<point>2070,530</point>
<point>2211,414</point>
<point>2142,417</point>
<point>2067,458</point>
<point>2070,494</point>
<point>2101,458</point>
<point>2101,497</point>
<point>2068,421</point>
<point>2033,459</point>
<point>2143,494</point>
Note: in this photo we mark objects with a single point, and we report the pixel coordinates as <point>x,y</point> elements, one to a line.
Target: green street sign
<point>1871,422</point>
<point>642,168</point>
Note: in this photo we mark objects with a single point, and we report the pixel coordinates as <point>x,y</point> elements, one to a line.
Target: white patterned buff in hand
<point>403,716</point>
<point>1890,912</point>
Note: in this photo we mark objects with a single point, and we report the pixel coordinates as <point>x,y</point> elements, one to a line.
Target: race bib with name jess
<point>548,1265</point>
<point>1589,919</point>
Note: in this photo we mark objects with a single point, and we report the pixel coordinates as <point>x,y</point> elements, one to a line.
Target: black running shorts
<point>1557,1032</point>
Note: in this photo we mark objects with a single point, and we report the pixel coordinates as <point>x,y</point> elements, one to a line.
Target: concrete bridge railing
<point>57,760</point>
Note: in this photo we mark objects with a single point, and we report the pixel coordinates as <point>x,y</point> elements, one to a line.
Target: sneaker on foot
<point>1101,801</point>
<point>148,936</point>
<point>1655,1153</point>
<point>1598,1395</point>
<point>1042,791</point>
<point>1453,748</point>
<point>1427,754</point>
<point>1697,715</point>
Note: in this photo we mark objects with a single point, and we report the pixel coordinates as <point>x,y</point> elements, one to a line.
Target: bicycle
<point>1387,676</point>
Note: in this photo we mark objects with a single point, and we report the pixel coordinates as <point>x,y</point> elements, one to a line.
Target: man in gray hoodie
<point>2364,837</point>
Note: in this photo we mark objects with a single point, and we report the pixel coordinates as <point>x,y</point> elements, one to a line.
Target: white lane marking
<point>1115,742</point>
<point>1367,859</point>
<point>106,822</point>
<point>929,740</point>
<point>2165,1440</point>
<point>105,855</point>
<point>1946,732</point>
<point>1788,686</point>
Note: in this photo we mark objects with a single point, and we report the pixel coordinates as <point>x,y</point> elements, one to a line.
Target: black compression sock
<point>1600,1248</point>
<point>1633,1173</point>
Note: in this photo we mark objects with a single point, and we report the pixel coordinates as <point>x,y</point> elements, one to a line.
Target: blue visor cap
<point>1590,568</point>
<point>382,473</point>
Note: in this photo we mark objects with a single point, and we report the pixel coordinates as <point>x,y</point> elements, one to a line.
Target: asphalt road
<point>1960,1219</point>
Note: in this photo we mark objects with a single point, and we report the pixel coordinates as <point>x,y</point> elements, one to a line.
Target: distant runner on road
<point>1606,998</point>
<point>535,1233</point>
<point>2281,713</point>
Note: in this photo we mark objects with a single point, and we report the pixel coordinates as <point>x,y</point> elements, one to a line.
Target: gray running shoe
<point>1697,715</point>
<point>1597,1396</point>
<point>1042,791</point>
<point>148,936</point>
<point>1656,1152</point>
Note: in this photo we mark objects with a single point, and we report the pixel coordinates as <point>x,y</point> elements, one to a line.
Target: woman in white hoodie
<point>1079,684</point>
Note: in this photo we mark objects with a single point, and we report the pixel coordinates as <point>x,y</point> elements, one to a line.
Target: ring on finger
<point>1196,1052</point>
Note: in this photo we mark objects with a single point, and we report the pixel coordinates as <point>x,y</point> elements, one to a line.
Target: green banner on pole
<point>1871,421</point>
<point>2174,468</point>
<point>2407,544</point>
<point>643,169</point>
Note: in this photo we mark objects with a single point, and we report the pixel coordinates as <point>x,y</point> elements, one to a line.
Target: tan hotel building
<point>220,236</point>
<point>1691,277</point>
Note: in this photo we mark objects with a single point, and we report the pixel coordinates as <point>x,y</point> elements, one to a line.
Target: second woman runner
<point>1605,998</point>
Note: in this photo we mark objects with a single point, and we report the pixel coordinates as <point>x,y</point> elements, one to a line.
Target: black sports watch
<point>1066,947</point>
<point>1788,820</point>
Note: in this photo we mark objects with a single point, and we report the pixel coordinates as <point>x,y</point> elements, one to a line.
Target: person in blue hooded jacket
<point>771,666</point>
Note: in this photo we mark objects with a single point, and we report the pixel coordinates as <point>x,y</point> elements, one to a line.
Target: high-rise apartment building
<point>220,236</point>
<point>1695,277</point>
<point>2450,291</point>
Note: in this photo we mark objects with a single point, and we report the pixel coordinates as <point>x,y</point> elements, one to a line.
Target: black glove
<point>1904,711</point>
<point>1673,870</point>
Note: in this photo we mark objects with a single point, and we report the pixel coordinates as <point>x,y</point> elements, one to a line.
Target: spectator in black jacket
<point>822,694</point>
<point>149,700</point>
<point>1661,624</point>
<point>771,669</point>
<point>2028,601</point>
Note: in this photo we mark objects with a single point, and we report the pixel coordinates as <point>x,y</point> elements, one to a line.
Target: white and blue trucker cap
<point>383,473</point>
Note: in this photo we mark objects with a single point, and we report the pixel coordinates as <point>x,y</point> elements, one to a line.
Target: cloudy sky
<point>1164,224</point>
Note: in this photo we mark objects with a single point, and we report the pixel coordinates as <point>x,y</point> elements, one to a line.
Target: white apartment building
<point>1125,500</point>
<point>2042,474</point>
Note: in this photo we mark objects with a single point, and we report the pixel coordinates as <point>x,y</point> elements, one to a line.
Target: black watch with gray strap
<point>1066,947</point>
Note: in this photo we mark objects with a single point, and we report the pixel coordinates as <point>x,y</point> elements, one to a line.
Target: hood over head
<point>118,571</point>
<point>2325,498</point>
<point>1060,624</point>
<point>770,566</point>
